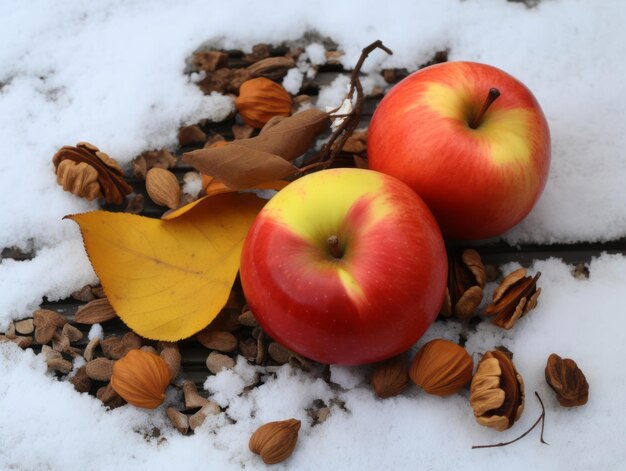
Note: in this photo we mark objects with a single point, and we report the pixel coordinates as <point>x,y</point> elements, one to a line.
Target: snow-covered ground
<point>111,73</point>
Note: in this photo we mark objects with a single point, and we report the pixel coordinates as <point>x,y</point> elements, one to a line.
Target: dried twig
<point>338,138</point>
<point>541,419</point>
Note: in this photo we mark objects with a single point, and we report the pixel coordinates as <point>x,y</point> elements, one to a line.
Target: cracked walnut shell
<point>260,100</point>
<point>497,391</point>
<point>514,298</point>
<point>466,280</point>
<point>87,172</point>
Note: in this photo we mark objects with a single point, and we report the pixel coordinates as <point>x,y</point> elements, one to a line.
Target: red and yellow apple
<point>345,266</point>
<point>470,139</point>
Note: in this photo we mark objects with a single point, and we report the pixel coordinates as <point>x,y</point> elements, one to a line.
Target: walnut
<point>466,280</point>
<point>89,173</point>
<point>497,391</point>
<point>514,298</point>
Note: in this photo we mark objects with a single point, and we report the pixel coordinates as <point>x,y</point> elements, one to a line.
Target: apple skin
<point>477,182</point>
<point>376,300</point>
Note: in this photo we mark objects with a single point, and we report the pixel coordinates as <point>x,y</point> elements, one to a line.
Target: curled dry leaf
<point>275,441</point>
<point>86,171</point>
<point>497,391</point>
<point>513,299</point>
<point>245,163</point>
<point>141,379</point>
<point>168,279</point>
<point>441,367</point>
<point>466,280</point>
<point>567,381</point>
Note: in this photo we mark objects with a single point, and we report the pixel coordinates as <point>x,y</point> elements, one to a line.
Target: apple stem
<point>333,246</point>
<point>492,96</point>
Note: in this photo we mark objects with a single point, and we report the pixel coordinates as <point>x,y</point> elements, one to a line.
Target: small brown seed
<point>84,294</point>
<point>162,187</point>
<point>179,420</point>
<point>89,349</point>
<point>113,348</point>
<point>131,340</point>
<point>80,380</point>
<point>248,319</point>
<point>109,397</point>
<point>216,340</point>
<point>278,353</point>
<point>193,400</point>
<point>149,349</point>
<point>60,342</point>
<point>44,333</point>
<point>20,341</point>
<point>45,316</point>
<point>72,333</point>
<point>100,369</point>
<point>217,362</point>
<point>247,348</point>
<point>172,358</point>
<point>191,135</point>
<point>261,350</point>
<point>98,291</point>
<point>390,377</point>
<point>25,327</point>
<point>60,365</point>
<point>197,419</point>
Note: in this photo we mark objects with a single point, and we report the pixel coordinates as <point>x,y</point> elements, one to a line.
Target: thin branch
<point>338,138</point>
<point>540,419</point>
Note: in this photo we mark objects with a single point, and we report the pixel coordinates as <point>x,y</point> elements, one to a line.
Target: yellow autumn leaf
<point>168,279</point>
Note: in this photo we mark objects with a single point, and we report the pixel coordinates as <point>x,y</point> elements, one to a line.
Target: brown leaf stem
<point>541,419</point>
<point>338,138</point>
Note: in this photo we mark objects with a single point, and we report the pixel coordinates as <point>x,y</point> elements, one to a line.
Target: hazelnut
<point>390,377</point>
<point>441,367</point>
<point>260,100</point>
<point>275,441</point>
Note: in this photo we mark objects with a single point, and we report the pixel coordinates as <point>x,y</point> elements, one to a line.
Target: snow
<point>111,73</point>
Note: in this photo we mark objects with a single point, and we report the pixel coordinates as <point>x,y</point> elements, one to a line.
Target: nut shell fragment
<point>275,441</point>
<point>514,298</point>
<point>466,280</point>
<point>567,381</point>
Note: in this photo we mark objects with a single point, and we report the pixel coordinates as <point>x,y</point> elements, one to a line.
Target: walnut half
<point>497,391</point>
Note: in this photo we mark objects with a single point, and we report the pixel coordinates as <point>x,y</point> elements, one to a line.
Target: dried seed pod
<point>100,369</point>
<point>497,391</point>
<point>87,172</point>
<point>217,340</point>
<point>260,100</point>
<point>567,381</point>
<point>141,379</point>
<point>466,280</point>
<point>441,367</point>
<point>217,362</point>
<point>275,441</point>
<point>163,188</point>
<point>179,420</point>
<point>95,312</point>
<point>390,377</point>
<point>516,295</point>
